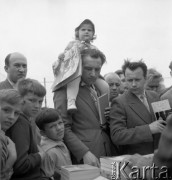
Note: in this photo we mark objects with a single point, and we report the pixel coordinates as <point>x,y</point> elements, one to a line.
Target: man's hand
<point>107,113</point>
<point>157,126</point>
<point>91,159</point>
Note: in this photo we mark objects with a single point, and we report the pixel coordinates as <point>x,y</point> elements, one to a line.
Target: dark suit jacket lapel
<point>84,94</point>
<point>150,99</point>
<point>138,107</point>
<point>8,85</point>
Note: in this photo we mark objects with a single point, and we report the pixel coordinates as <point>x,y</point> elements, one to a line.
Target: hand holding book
<point>157,126</point>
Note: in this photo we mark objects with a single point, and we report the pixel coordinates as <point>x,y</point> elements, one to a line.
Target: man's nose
<point>134,83</point>
<point>93,73</point>
<point>21,69</point>
<point>12,115</point>
<point>114,87</point>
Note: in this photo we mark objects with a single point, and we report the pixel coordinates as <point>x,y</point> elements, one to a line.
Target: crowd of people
<point>36,141</point>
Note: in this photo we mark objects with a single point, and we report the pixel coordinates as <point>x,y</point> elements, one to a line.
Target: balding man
<point>114,84</point>
<point>16,68</point>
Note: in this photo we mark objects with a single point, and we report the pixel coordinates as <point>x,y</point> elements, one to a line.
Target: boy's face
<point>55,130</point>
<point>9,114</point>
<point>31,104</point>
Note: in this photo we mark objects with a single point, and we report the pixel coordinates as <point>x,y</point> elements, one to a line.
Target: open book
<point>70,68</point>
<point>161,109</point>
<point>102,103</point>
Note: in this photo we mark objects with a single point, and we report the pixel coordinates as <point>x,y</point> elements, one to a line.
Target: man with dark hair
<point>132,122</point>
<point>84,136</point>
<point>16,68</point>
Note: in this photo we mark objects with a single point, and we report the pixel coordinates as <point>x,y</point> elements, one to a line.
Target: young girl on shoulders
<point>70,60</point>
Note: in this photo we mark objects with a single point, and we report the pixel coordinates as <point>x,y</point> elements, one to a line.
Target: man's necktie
<point>145,102</point>
<point>93,93</point>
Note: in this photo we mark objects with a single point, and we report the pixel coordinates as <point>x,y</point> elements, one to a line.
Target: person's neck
<point>10,81</point>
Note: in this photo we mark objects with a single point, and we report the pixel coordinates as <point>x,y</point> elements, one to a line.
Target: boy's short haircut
<point>46,115</point>
<point>26,86</point>
<point>10,96</point>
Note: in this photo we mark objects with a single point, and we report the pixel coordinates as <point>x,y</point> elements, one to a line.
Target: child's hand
<point>82,46</point>
<point>61,56</point>
<point>12,150</point>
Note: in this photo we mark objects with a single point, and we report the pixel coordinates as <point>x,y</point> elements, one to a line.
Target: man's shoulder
<point>152,93</point>
<point>166,93</point>
<point>121,98</point>
<point>5,85</point>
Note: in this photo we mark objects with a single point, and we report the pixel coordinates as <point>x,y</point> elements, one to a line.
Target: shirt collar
<point>141,95</point>
<point>84,84</point>
<point>14,85</point>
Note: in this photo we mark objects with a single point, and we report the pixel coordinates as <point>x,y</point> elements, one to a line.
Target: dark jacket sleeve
<point>163,156</point>
<point>74,144</point>
<point>120,133</point>
<point>27,152</point>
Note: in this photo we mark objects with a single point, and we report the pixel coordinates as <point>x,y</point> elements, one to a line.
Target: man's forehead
<point>17,56</point>
<point>88,60</point>
<point>135,71</point>
<point>113,77</point>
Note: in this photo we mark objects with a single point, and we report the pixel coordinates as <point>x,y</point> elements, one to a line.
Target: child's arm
<point>12,154</point>
<point>57,64</point>
<point>49,163</point>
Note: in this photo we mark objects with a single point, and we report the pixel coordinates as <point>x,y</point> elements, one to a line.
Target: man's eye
<point>32,100</point>
<point>17,65</point>
<point>17,113</point>
<point>88,69</point>
<point>6,110</point>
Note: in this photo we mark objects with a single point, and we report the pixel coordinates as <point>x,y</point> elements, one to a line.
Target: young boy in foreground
<point>10,105</point>
<point>28,163</point>
<point>52,130</point>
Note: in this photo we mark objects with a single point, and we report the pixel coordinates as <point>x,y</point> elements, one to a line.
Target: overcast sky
<point>41,29</point>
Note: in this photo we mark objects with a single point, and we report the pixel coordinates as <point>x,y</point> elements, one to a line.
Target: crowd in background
<point>36,141</point>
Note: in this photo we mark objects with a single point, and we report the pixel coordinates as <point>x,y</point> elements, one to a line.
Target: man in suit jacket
<point>16,68</point>
<point>84,136</point>
<point>114,82</point>
<point>132,122</point>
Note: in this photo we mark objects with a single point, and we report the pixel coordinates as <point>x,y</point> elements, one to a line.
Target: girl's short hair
<point>26,86</point>
<point>86,21</point>
<point>46,115</point>
<point>10,96</point>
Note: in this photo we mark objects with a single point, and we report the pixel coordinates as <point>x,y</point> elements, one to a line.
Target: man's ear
<point>6,68</point>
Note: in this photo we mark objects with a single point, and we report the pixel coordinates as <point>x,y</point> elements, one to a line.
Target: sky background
<point>41,29</point>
